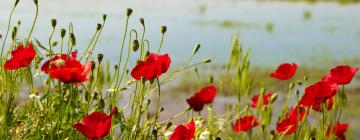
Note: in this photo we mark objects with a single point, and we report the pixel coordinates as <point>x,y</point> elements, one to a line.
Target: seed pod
<point>116,67</point>
<point>73,39</point>
<point>53,22</point>
<point>135,45</point>
<point>273,98</point>
<point>95,96</point>
<point>36,2</point>
<point>128,12</point>
<point>154,132</point>
<point>62,33</point>
<point>104,17</point>
<point>147,53</point>
<point>211,79</point>
<point>14,32</point>
<point>168,125</point>
<point>16,2</point>
<point>100,57</point>
<point>207,61</point>
<point>196,49</point>
<point>93,64</point>
<point>163,29</point>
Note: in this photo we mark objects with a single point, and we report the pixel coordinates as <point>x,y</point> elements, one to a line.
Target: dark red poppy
<point>152,67</point>
<point>328,104</point>
<point>205,96</point>
<point>338,129</point>
<point>255,100</point>
<point>67,69</point>
<point>286,126</point>
<point>21,57</point>
<point>318,93</point>
<point>184,132</point>
<point>95,126</point>
<point>245,124</point>
<point>285,71</point>
<point>341,74</point>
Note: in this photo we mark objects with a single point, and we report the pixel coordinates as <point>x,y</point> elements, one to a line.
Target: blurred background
<point>305,32</point>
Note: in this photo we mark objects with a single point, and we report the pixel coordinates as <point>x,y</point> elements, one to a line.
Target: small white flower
<point>35,97</point>
<point>168,133</point>
<point>204,135</point>
<point>111,90</point>
<point>77,110</point>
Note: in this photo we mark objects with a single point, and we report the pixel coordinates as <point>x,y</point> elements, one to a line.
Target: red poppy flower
<point>286,126</point>
<point>329,104</point>
<point>184,132</point>
<point>95,126</point>
<point>152,67</point>
<point>255,100</point>
<point>297,113</point>
<point>67,69</point>
<point>21,57</point>
<point>245,123</point>
<point>205,96</point>
<point>339,130</point>
<point>318,93</point>
<point>285,71</point>
<point>341,74</point>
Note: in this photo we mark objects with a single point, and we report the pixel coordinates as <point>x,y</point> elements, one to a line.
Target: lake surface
<point>276,31</point>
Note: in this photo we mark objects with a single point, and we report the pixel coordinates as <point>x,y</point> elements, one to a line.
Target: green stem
<point>34,22</point>
<point>161,42</point>
<point>7,32</point>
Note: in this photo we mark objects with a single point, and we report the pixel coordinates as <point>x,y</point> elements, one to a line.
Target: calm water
<point>333,31</point>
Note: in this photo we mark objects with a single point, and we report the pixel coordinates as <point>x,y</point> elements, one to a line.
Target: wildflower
<point>21,57</point>
<point>341,75</point>
<point>204,135</point>
<point>67,69</point>
<point>96,125</point>
<point>184,132</point>
<point>286,126</point>
<point>205,96</point>
<point>285,71</point>
<point>328,104</point>
<point>245,123</point>
<point>338,129</point>
<point>318,93</point>
<point>265,100</point>
<point>152,67</point>
<point>297,113</point>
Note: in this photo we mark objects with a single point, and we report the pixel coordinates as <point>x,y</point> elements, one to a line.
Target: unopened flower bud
<point>14,33</point>
<point>104,17</point>
<point>273,98</point>
<point>53,22</point>
<point>162,109</point>
<point>16,2</point>
<point>93,64</point>
<point>36,2</point>
<point>154,132</point>
<point>207,61</point>
<point>135,45</point>
<point>62,33</point>
<point>147,53</point>
<point>98,26</point>
<point>292,85</point>
<point>163,29</point>
<point>100,57</point>
<point>116,67</point>
<point>0,36</point>
<point>128,12</point>
<point>196,49</point>
<point>168,125</point>
<point>73,39</point>
<point>101,104</point>
<point>95,96</point>
<point>142,21</point>
<point>19,22</point>
<point>217,138</point>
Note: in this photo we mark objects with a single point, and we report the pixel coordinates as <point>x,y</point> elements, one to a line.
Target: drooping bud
<point>211,79</point>
<point>142,21</point>
<point>273,98</point>
<point>98,26</point>
<point>36,2</point>
<point>93,65</point>
<point>100,57</point>
<point>19,22</point>
<point>163,29</point>
<point>128,12</point>
<point>207,61</point>
<point>17,2</point>
<point>14,33</point>
<point>196,48</point>
<point>62,33</point>
<point>53,22</point>
<point>135,45</point>
<point>168,125</point>
<point>73,39</point>
<point>116,67</point>
<point>147,53</point>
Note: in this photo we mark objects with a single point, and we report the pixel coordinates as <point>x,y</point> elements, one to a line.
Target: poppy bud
<point>154,132</point>
<point>299,83</point>
<point>53,23</point>
<point>100,57</point>
<point>297,92</point>
<point>207,61</point>
<point>168,125</point>
<point>196,49</point>
<point>98,26</point>
<point>211,79</point>
<point>163,29</point>
<point>19,23</point>
<point>217,138</point>
<point>87,96</point>
<point>54,43</point>
<point>101,104</point>
<point>104,17</point>
<point>73,39</point>
<point>292,85</point>
<point>62,33</point>
<point>93,64</point>
<point>16,2</point>
<point>162,109</point>
<point>273,98</point>
<point>142,21</point>
<point>13,35</point>
<point>147,53</point>
<point>95,96</point>
<point>306,78</point>
<point>0,36</point>
<point>135,45</point>
<point>36,2</point>
<point>128,12</point>
<point>116,67</point>
<point>148,102</point>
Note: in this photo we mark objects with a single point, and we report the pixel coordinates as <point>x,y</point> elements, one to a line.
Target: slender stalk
<point>7,32</point>
<point>34,22</point>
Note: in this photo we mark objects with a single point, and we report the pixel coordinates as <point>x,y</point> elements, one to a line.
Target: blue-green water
<point>333,31</point>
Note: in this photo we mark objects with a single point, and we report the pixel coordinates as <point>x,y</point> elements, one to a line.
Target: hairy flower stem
<point>158,102</point>
<point>161,42</point>
<point>142,54</point>
<point>34,22</point>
